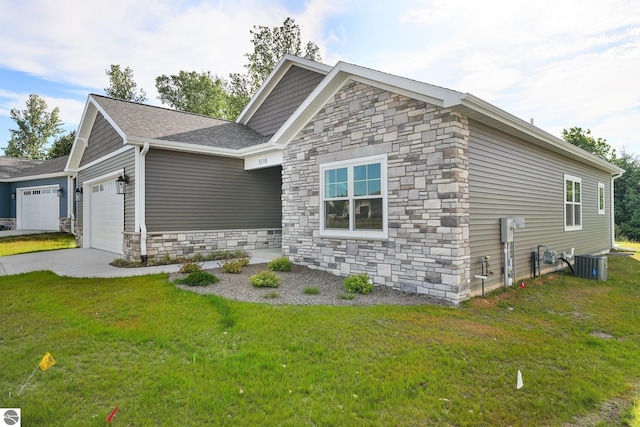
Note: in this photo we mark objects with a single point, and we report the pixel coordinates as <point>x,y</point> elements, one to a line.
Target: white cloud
<point>566,63</point>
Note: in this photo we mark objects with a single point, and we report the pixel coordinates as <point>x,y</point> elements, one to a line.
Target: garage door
<point>107,217</point>
<point>38,208</point>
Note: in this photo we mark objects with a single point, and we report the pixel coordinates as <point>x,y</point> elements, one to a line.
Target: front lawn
<point>170,357</point>
<point>12,245</point>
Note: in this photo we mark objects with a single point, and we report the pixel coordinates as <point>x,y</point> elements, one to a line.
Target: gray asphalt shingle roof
<point>12,166</point>
<point>44,168</point>
<point>146,121</point>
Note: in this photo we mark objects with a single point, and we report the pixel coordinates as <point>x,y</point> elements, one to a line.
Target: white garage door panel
<point>38,208</point>
<point>107,217</point>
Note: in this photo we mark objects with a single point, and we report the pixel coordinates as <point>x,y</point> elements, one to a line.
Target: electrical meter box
<point>507,227</point>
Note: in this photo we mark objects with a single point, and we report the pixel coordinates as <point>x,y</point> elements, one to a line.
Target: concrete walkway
<point>95,263</point>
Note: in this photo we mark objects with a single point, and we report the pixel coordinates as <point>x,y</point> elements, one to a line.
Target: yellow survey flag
<point>47,362</point>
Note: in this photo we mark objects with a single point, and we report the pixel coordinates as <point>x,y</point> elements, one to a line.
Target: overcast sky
<point>564,63</point>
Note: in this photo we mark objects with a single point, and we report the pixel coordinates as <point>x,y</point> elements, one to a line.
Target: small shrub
<point>199,278</point>
<point>265,279</point>
<point>271,295</point>
<point>346,296</point>
<point>280,264</point>
<point>359,283</point>
<point>197,257</point>
<point>190,267</point>
<point>239,253</point>
<point>311,291</point>
<point>235,266</point>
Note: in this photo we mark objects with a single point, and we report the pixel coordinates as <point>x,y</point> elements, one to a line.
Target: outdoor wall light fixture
<point>121,184</point>
<point>78,193</point>
<point>60,191</point>
<point>13,196</point>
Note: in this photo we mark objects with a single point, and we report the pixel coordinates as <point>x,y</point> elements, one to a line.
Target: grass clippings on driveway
<point>165,356</point>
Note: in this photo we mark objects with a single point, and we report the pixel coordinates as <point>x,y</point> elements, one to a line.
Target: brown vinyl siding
<point>124,160</point>
<point>103,140</point>
<point>187,191</point>
<point>285,98</point>
<point>512,178</point>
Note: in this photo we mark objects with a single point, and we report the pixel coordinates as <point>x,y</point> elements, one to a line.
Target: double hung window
<point>601,198</point>
<point>354,198</point>
<point>572,203</point>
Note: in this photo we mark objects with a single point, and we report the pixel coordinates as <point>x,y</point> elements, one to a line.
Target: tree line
<point>195,92</point>
<point>626,187</point>
<point>212,95</point>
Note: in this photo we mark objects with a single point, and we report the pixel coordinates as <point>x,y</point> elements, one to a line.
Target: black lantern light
<point>121,184</point>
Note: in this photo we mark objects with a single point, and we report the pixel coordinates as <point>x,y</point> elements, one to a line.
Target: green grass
<point>172,357</point>
<point>635,246</point>
<point>13,245</point>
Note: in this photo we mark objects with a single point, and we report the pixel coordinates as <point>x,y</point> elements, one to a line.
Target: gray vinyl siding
<point>187,191</point>
<point>285,98</point>
<point>103,140</point>
<point>62,182</point>
<point>509,177</point>
<point>124,160</point>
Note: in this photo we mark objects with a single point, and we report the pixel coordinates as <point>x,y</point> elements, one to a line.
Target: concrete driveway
<point>95,263</point>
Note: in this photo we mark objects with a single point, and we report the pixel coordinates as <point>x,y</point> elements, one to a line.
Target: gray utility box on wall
<point>591,267</point>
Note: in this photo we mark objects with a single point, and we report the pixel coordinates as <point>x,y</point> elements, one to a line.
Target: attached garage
<point>106,217</point>
<point>38,208</point>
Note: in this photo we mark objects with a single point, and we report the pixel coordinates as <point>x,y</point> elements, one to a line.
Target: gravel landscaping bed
<point>292,289</point>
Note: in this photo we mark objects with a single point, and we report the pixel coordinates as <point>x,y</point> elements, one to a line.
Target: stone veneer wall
<point>188,243</point>
<point>10,221</point>
<point>428,249</point>
<point>65,225</point>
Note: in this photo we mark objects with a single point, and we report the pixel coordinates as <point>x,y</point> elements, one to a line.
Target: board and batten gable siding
<point>186,191</point>
<point>286,97</point>
<point>126,161</point>
<point>62,182</point>
<point>512,178</point>
<point>103,140</point>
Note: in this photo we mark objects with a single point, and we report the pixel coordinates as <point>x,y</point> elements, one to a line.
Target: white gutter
<point>32,177</point>
<point>141,217</point>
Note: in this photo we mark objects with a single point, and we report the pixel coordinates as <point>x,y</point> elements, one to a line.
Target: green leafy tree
<point>62,145</point>
<point>200,93</point>
<point>269,46</point>
<point>122,85</point>
<point>35,127</point>
<point>627,198</point>
<point>583,139</point>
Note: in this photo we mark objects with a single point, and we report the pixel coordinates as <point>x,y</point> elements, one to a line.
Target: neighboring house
<point>354,170</point>
<point>35,194</point>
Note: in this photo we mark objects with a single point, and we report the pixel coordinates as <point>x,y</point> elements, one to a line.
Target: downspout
<point>613,218</point>
<point>141,198</point>
<point>71,196</point>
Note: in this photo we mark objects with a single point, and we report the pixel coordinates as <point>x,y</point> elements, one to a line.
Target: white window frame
<point>574,180</point>
<point>602,201</point>
<point>351,232</point>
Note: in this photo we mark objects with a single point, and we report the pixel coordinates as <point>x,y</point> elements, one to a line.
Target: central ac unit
<point>591,267</point>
